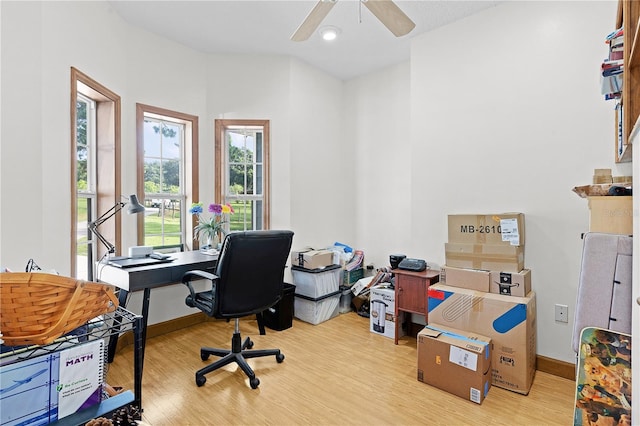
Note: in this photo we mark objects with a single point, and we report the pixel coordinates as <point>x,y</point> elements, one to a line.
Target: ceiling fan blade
<point>313,20</point>
<point>391,16</point>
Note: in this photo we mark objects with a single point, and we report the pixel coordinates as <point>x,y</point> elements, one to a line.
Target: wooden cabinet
<point>411,293</point>
<point>628,18</point>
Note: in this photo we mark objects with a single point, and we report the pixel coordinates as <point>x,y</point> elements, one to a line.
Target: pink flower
<point>215,209</point>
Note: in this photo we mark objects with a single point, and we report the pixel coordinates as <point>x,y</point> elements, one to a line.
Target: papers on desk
<point>132,262</point>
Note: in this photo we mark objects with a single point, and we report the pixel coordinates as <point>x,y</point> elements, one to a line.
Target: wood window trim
<point>192,183</point>
<point>220,126</point>
<point>108,112</point>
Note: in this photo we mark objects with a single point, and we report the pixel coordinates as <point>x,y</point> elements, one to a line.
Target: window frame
<point>191,165</point>
<point>221,161</point>
<point>107,160</point>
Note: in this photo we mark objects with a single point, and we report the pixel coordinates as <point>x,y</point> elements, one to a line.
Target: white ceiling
<point>265,26</point>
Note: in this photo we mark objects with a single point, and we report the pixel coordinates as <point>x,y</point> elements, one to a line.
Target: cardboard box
<point>509,321</point>
<point>361,284</point>
<point>311,259</point>
<point>491,257</point>
<point>602,176</point>
<point>473,279</point>
<point>511,283</point>
<point>382,317</point>
<point>499,228</point>
<point>611,214</point>
<point>456,361</point>
<point>350,277</point>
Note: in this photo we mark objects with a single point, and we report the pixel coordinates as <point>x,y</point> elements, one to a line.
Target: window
<point>85,182</point>
<point>167,164</point>
<point>242,171</point>
<point>95,169</point>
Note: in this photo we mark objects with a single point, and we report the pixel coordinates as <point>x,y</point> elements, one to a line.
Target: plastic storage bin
<point>345,299</point>
<point>280,316</point>
<point>315,283</point>
<point>315,310</point>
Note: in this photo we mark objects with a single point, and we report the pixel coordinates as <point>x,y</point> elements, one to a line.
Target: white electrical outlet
<point>562,313</point>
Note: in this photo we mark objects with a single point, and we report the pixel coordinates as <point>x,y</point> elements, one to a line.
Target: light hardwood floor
<point>334,373</point>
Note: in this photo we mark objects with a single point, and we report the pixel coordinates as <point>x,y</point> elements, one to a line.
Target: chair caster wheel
<point>200,380</point>
<point>280,358</point>
<point>249,344</point>
<point>254,382</point>
<point>204,356</point>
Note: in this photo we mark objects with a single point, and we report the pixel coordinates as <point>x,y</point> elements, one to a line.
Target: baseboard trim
<point>165,327</point>
<point>556,367</point>
<point>552,366</point>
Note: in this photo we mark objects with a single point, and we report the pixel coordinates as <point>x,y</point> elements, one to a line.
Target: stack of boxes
<point>485,289</point>
<point>317,285</point>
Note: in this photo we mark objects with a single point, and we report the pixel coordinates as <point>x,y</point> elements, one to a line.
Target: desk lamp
<point>134,208</point>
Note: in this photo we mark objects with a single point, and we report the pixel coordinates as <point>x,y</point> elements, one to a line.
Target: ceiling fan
<point>385,10</point>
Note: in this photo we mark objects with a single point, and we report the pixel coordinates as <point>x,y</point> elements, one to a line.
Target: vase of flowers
<point>210,228</point>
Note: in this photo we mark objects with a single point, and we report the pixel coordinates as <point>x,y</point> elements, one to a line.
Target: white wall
<point>498,112</point>
<point>39,45</point>
<point>22,130</point>
<point>320,160</point>
<point>377,107</point>
<point>506,115</point>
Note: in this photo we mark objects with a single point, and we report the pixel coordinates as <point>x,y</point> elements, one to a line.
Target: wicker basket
<point>37,308</point>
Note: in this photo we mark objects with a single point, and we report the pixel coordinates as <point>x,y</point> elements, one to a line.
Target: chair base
<point>239,353</point>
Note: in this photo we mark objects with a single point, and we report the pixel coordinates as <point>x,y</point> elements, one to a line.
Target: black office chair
<point>249,279</point>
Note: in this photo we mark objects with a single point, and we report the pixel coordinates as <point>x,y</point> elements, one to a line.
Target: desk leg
<point>260,320</point>
<point>396,323</point>
<point>113,339</point>
<point>145,316</point>
<point>138,357</point>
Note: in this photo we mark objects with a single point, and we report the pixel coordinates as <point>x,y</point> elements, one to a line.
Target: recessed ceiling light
<point>329,33</point>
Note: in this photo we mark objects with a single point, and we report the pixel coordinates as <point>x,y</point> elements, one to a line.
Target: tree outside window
<point>168,170</point>
<point>242,171</point>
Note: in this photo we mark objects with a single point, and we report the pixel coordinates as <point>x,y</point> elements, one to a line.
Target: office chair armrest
<point>202,274</point>
<point>196,275</point>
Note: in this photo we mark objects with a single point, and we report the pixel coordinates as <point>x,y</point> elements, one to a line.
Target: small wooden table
<point>411,293</point>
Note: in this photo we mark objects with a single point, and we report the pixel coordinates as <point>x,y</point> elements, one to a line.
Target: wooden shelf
<point>635,132</point>
<point>629,18</point>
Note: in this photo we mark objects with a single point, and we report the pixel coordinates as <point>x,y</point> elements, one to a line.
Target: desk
<point>151,276</point>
